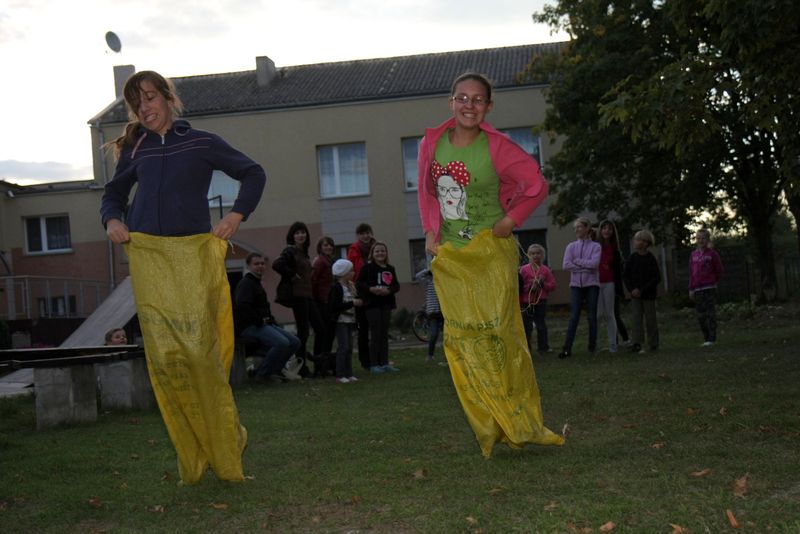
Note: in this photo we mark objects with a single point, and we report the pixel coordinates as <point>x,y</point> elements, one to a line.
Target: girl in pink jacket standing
<point>537,284</point>
<point>705,270</point>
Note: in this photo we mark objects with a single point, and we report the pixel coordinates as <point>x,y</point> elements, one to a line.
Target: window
<point>47,234</point>
<point>524,137</point>
<point>410,152</point>
<point>223,189</point>
<point>59,306</point>
<point>343,170</point>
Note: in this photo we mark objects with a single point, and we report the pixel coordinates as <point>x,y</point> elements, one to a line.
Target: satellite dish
<point>113,41</point>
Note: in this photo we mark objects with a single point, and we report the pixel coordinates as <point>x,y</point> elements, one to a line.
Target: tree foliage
<point>676,107</point>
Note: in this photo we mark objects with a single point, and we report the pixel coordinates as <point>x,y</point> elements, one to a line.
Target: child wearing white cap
<point>342,301</point>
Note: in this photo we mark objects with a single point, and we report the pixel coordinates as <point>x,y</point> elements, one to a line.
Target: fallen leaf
<point>692,411</point>
<point>124,485</point>
<point>94,502</point>
<point>663,376</point>
<point>219,505</point>
<point>471,520</point>
<point>420,474</point>
<point>723,411</point>
<point>608,527</point>
<point>134,456</point>
<point>158,509</point>
<point>552,505</point>
<point>732,519</point>
<point>658,445</point>
<point>151,442</point>
<point>316,519</point>
<point>166,476</point>
<point>355,499</point>
<point>702,473</point>
<point>495,491</point>
<point>566,430</point>
<point>579,530</point>
<point>677,529</point>
<point>629,425</point>
<point>249,477</point>
<point>134,421</point>
<point>740,485</point>
<point>600,418</point>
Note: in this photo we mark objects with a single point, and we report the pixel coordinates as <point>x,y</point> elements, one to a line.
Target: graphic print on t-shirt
<point>451,182</point>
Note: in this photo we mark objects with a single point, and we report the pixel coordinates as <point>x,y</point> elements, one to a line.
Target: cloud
<point>27,172</point>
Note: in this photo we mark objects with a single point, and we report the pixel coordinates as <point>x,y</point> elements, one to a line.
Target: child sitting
<point>341,300</point>
<point>642,276</point>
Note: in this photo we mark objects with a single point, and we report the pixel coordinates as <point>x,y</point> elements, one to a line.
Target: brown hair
<point>322,240</point>
<point>480,78</point>
<point>614,241</point>
<point>133,98</point>
<point>372,249</point>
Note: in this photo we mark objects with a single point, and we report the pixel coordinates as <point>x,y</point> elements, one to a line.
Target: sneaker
<point>343,380</point>
<point>707,344</point>
<point>352,379</point>
<point>289,375</point>
<point>390,369</point>
<point>635,347</point>
<point>627,343</point>
<point>612,349</point>
<point>564,354</point>
<point>377,370</point>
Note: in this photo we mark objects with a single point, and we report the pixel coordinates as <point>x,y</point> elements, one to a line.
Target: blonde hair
<point>537,246</point>
<point>645,235</point>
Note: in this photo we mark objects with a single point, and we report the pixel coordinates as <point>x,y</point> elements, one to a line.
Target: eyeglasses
<point>454,191</point>
<point>477,101</point>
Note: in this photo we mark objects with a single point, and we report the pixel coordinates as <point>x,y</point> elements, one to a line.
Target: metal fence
<point>33,297</point>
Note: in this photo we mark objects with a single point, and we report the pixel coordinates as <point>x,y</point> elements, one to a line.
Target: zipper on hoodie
<point>160,181</point>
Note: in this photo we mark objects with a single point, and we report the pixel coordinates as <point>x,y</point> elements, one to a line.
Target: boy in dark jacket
<point>642,276</point>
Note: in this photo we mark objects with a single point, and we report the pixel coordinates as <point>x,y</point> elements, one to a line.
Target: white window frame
<point>410,175</point>
<point>220,185</point>
<point>43,235</point>
<point>337,176</point>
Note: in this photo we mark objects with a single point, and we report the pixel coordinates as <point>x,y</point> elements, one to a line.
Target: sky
<point>57,70</point>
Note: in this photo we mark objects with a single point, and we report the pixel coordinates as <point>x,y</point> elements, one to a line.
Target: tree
<point>599,168</point>
<point>718,95</point>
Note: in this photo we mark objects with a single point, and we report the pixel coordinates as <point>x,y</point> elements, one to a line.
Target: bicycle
<point>420,326</point>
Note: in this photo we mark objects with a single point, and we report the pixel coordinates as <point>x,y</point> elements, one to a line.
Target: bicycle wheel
<point>420,326</point>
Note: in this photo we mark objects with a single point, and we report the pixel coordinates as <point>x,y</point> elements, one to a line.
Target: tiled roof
<point>345,81</point>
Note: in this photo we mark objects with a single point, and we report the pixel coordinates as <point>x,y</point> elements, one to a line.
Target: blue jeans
<point>578,295</point>
<point>435,324</point>
<point>279,343</point>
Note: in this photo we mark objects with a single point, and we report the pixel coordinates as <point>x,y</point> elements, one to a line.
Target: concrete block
<point>125,384</point>
<point>65,395</point>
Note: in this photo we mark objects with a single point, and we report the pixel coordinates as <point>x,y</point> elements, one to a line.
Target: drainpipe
<point>112,275</point>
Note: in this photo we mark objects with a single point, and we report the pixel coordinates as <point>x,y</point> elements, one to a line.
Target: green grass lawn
<point>659,442</point>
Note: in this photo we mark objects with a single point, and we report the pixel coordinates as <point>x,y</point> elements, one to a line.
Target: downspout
<point>112,275</point>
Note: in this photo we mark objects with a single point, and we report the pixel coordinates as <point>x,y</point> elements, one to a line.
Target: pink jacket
<point>705,269</point>
<point>522,186</point>
<point>548,282</point>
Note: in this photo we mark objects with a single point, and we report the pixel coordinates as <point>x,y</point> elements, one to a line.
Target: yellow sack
<point>484,342</point>
<point>184,306</point>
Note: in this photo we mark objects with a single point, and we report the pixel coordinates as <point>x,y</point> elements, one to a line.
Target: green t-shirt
<point>468,190</point>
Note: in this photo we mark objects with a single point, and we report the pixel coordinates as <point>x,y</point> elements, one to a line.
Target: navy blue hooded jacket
<point>173,174</point>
